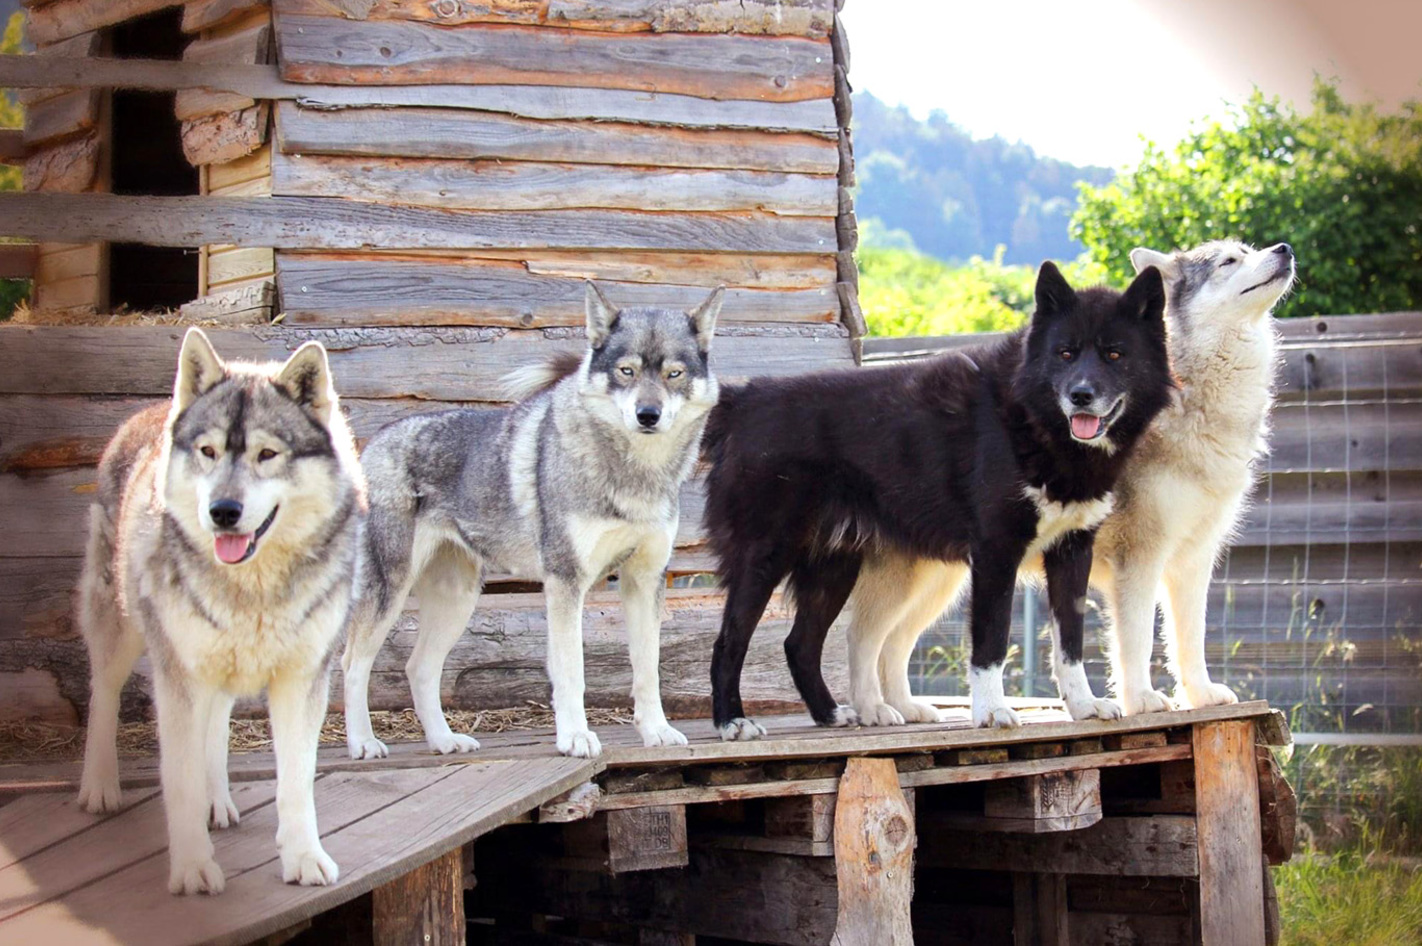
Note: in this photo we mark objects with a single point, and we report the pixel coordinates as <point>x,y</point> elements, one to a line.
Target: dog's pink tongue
<point>231,548</point>
<point>1085,426</point>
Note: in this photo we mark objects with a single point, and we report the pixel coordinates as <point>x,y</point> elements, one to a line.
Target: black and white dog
<point>973,461</point>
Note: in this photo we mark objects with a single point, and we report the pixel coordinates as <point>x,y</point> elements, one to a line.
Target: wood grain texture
<point>424,906</point>
<point>249,46</point>
<point>815,116</point>
<point>1227,814</point>
<point>780,69</point>
<point>325,290</point>
<point>1154,846</point>
<point>230,266</point>
<point>874,840</point>
<point>64,116</point>
<point>62,19</point>
<point>470,135</point>
<point>82,46</point>
<point>199,15</point>
<point>69,167</point>
<point>1053,801</point>
<point>318,223</point>
<point>520,185</point>
<point>770,17</point>
<point>748,270</point>
<point>18,260</point>
<point>224,137</point>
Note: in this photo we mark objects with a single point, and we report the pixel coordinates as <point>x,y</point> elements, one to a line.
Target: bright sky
<point>1084,80</point>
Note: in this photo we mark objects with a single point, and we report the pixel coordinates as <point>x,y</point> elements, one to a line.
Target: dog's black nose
<point>1082,394</point>
<point>225,513</point>
<point>1283,249</point>
<point>648,416</point>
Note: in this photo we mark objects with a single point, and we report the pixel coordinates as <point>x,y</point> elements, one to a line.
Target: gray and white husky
<point>223,541</point>
<point>579,479</point>
<point>1177,503</point>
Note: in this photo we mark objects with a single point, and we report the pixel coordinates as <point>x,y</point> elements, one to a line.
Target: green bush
<point>1342,184</point>
<point>12,291</point>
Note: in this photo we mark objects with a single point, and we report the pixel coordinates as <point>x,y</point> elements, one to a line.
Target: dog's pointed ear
<point>306,379</point>
<point>1145,299</point>
<point>602,316</point>
<point>1143,257</point>
<point>703,318</point>
<point>199,370</point>
<point>1054,293</point>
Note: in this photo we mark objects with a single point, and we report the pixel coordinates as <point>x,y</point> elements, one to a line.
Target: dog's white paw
<point>190,875</point>
<point>1093,708</point>
<point>309,867</point>
<point>452,742</point>
<point>1147,701</point>
<point>662,735</point>
<point>879,714</point>
<point>741,729</point>
<point>222,812</point>
<point>371,748</point>
<point>100,792</point>
<point>580,745</point>
<point>1213,694</point>
<point>996,716</point>
<point>843,716</point>
<point>919,711</point>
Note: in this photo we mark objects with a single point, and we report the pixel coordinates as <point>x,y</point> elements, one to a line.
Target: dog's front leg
<point>565,667</point>
<point>222,812</point>
<point>184,723</point>
<point>297,700</point>
<point>1068,566</point>
<point>994,575</point>
<point>642,584</point>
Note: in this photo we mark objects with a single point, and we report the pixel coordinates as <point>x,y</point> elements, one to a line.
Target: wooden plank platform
<point>97,879</point>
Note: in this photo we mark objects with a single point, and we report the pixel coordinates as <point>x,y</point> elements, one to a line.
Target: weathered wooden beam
<point>317,223</point>
<point>226,136</point>
<point>1278,809</point>
<point>543,185</point>
<point>575,804</point>
<point>248,305</point>
<point>1227,813</point>
<point>13,149</point>
<point>424,906</point>
<point>199,15</point>
<point>470,135</point>
<point>250,47</point>
<point>540,102</point>
<point>1153,846</point>
<point>873,842</point>
<point>1052,801</point>
<point>330,49</point>
<point>62,19</point>
<point>68,167</point>
<point>63,116</point>
<point>17,260</point>
<point>1039,910</point>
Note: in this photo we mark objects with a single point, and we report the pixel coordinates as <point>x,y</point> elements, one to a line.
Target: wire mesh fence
<point>1317,605</point>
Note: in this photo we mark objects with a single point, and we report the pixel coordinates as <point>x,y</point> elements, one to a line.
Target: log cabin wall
<point>423,186</point>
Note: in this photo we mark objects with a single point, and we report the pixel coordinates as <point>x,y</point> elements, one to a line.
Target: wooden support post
<point>873,850</point>
<point>1052,801</point>
<point>425,906</point>
<point>1039,910</point>
<point>804,817</point>
<point>627,839</point>
<point>1227,817</point>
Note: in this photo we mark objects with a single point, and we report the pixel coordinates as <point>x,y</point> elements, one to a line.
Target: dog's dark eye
<point>626,371</point>
<point>208,452</point>
<point>1229,262</point>
<point>1113,356</point>
<point>1067,354</point>
<point>265,455</point>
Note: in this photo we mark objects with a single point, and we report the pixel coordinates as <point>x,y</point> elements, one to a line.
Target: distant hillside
<point>958,197</point>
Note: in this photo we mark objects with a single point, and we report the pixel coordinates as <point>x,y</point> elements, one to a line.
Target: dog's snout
<point>1283,249</point>
<point>648,415</point>
<point>1082,394</point>
<point>225,513</point>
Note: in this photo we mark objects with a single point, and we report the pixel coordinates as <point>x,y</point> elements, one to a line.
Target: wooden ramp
<point>73,878</point>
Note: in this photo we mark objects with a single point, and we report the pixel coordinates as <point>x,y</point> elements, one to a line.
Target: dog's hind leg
<point>185,709</point>
<point>1068,564</point>
<point>931,590</point>
<point>448,590</point>
<point>298,707</point>
<point>565,667</point>
<point>750,580</point>
<point>642,583</point>
<point>114,645</point>
<point>222,812</point>
<point>820,589</point>
<point>1187,587</point>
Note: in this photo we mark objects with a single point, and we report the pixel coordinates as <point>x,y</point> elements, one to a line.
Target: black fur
<point>932,459</point>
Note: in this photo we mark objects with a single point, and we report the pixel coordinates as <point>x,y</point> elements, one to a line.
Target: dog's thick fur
<point>1178,499</point>
<point>578,480</point>
<point>972,460</point>
<point>223,541</point>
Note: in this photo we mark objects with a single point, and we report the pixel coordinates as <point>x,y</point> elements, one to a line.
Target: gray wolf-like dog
<point>224,542</point>
<point>577,480</point>
<point>1177,502</point>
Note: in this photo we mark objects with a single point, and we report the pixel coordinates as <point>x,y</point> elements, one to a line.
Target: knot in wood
<point>896,831</point>
<point>446,8</point>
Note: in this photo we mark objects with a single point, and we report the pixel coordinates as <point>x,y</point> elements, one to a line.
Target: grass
<point>1349,899</point>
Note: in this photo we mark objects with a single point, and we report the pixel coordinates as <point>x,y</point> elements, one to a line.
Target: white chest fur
<point>1055,519</point>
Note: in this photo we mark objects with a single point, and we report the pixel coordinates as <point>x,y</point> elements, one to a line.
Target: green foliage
<point>1348,898</point>
<point>1342,184</point>
<point>12,115</point>
<point>960,197</point>
<point>904,292</point>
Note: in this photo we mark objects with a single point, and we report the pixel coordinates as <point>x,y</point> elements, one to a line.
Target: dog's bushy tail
<point>529,380</point>
<point>718,425</point>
